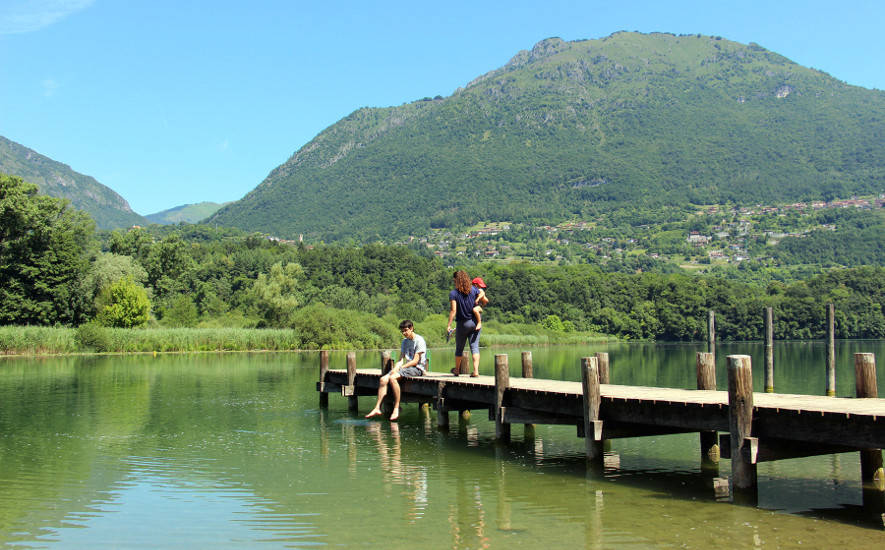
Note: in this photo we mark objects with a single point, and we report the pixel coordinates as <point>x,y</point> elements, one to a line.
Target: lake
<point>232,451</point>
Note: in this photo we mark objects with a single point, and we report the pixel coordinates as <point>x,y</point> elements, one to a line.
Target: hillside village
<point>725,235</point>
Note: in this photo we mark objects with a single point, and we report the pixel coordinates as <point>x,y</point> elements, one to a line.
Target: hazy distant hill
<point>109,209</point>
<point>188,213</point>
<point>573,129</point>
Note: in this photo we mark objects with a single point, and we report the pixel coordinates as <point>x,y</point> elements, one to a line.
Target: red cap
<point>479,282</point>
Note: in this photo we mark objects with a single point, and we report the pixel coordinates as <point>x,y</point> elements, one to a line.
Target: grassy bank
<point>29,340</point>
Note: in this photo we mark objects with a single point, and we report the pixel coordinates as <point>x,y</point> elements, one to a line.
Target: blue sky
<point>179,102</point>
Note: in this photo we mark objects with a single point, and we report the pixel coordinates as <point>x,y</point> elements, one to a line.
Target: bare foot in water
<point>395,414</point>
<point>373,412</point>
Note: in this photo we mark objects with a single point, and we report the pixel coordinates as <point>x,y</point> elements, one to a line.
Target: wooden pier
<point>760,426</point>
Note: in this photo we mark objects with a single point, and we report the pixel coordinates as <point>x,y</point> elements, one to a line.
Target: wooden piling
<point>769,350</point>
<point>706,374</point>
<point>592,401</point>
<point>831,350</point>
<point>502,382</point>
<point>352,399</point>
<point>871,471</point>
<point>324,368</point>
<point>740,426</point>
<point>442,412</point>
<point>602,363</point>
<point>528,429</point>
<point>711,333</point>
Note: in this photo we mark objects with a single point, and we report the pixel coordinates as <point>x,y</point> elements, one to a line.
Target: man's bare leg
<point>382,391</point>
<point>394,387</point>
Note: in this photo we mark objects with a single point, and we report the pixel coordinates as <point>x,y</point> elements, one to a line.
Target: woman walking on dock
<point>463,300</point>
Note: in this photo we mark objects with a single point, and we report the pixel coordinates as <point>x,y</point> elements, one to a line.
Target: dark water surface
<point>232,451</point>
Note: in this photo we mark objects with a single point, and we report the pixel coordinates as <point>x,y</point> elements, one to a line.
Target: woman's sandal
<point>454,372</point>
<point>473,375</point>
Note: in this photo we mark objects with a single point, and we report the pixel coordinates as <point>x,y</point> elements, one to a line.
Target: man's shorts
<point>411,371</point>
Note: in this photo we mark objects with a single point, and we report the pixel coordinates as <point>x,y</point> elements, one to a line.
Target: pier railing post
<point>502,382</point>
<point>831,350</point>
<point>324,368</point>
<point>706,374</point>
<point>592,401</point>
<point>871,471</point>
<point>740,427</point>
<point>769,350</point>
<point>527,372</point>
<point>352,399</point>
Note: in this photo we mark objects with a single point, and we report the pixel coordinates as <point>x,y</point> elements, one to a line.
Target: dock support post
<point>871,471</point>
<point>442,413</point>
<point>528,429</point>
<point>711,333</point>
<point>502,382</point>
<point>324,368</point>
<point>831,350</point>
<point>769,350</point>
<point>740,426</point>
<point>352,399</point>
<point>592,400</point>
<point>706,373</point>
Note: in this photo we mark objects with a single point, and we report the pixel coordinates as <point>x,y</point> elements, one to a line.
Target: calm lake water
<point>231,450</point>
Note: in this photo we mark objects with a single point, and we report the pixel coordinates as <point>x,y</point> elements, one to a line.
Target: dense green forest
<point>57,271</point>
<point>582,130</point>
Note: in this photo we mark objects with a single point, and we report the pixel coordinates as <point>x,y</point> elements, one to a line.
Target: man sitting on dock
<point>412,362</point>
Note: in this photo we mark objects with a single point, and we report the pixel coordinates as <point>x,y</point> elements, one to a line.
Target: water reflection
<point>232,451</point>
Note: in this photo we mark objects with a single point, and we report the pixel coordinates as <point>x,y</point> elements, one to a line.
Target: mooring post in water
<point>831,350</point>
<point>602,364</point>
<point>502,382</point>
<point>592,401</point>
<point>711,333</point>
<point>527,372</point>
<point>442,413</point>
<point>769,350</point>
<point>324,368</point>
<point>871,471</point>
<point>352,399</point>
<point>740,426</point>
<point>706,373</point>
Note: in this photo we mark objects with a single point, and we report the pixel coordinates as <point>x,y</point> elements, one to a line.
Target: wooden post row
<point>324,368</point>
<point>706,375</point>
<point>769,350</point>
<point>740,426</point>
<point>528,429</point>
<point>502,382</point>
<point>871,471</point>
<point>592,401</point>
<point>831,351</point>
<point>352,399</point>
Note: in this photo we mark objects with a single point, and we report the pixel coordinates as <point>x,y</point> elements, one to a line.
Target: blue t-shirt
<point>409,348</point>
<point>466,303</point>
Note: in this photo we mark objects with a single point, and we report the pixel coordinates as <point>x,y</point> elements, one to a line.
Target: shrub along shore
<point>92,338</point>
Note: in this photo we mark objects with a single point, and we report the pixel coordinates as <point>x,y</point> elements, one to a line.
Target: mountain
<point>188,213</point>
<point>107,208</point>
<point>580,129</point>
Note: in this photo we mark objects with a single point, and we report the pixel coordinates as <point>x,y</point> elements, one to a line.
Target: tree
<point>124,304</point>
<point>44,255</point>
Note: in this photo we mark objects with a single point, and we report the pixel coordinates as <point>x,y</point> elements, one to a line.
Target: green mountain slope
<point>55,179</point>
<point>188,213</point>
<point>576,129</point>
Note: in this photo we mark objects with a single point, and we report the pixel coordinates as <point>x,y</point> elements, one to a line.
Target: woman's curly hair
<point>462,282</point>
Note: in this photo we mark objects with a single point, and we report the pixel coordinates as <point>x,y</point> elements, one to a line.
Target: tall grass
<point>347,334</point>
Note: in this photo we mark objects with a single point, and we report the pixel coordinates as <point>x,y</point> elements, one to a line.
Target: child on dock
<point>412,362</point>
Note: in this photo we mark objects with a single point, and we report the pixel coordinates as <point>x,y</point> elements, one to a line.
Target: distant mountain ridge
<point>187,213</point>
<point>107,208</point>
<point>575,129</point>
